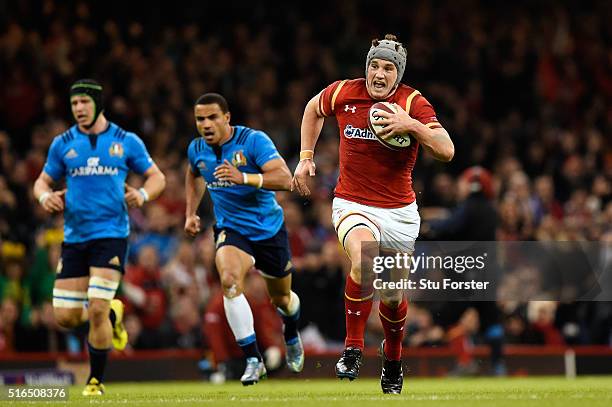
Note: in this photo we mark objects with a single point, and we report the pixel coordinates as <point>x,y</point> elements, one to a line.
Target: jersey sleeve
<point>55,166</point>
<point>191,156</point>
<point>262,149</point>
<point>423,111</point>
<point>138,158</point>
<point>330,98</point>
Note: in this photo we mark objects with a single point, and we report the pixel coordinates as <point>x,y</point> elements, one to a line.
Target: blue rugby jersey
<point>252,212</point>
<point>95,168</point>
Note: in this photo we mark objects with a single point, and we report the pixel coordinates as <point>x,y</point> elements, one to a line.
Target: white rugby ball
<point>396,142</point>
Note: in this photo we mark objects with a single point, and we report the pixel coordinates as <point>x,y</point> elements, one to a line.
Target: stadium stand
<point>528,97</point>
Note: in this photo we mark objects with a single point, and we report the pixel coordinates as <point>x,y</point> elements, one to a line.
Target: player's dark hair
<point>390,37</point>
<point>211,98</point>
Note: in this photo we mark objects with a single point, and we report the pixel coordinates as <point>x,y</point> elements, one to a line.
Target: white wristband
<point>43,197</point>
<point>144,194</point>
<point>248,179</point>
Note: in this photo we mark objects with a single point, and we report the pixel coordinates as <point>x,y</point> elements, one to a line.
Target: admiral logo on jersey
<point>389,175</point>
<point>354,132</point>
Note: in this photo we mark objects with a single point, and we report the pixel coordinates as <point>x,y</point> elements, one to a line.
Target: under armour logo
<point>353,312</point>
<point>351,108</point>
<point>397,330</point>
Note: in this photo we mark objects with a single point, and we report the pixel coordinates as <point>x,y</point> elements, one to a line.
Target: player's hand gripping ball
<point>395,142</point>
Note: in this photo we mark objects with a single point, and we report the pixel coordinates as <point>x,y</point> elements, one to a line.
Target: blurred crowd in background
<point>524,89</point>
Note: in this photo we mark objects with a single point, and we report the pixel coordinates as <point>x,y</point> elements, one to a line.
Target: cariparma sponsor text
<point>91,170</point>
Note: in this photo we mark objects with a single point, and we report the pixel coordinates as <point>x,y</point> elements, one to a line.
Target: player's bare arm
<point>436,141</point>
<point>312,123</point>
<point>52,201</point>
<point>154,185</point>
<point>275,175</point>
<point>194,190</point>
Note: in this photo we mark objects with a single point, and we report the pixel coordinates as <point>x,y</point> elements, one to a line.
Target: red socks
<point>358,304</point>
<point>393,321</point>
<point>357,307</point>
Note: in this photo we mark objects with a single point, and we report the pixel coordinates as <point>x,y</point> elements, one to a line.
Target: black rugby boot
<point>349,363</point>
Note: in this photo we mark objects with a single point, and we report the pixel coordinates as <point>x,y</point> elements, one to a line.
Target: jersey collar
<point>231,137</point>
<point>108,127</point>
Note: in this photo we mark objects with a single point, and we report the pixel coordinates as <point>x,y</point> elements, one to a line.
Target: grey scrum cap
<point>390,50</point>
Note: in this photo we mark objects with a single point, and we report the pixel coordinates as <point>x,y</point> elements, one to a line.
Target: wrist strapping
<point>144,194</point>
<point>254,180</point>
<point>43,197</point>
<point>306,155</point>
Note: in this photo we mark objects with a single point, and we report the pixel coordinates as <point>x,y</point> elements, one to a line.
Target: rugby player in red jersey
<point>374,201</point>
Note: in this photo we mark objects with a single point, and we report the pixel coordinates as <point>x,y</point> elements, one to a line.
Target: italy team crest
<point>238,159</point>
<point>116,150</point>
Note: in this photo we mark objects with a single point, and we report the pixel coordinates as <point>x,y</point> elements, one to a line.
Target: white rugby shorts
<point>398,228</point>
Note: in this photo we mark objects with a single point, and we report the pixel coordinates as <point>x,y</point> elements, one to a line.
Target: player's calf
<point>393,320</point>
<point>288,306</point>
<point>240,319</point>
<point>100,293</point>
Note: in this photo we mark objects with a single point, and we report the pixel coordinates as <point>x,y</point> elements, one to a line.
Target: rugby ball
<point>396,142</point>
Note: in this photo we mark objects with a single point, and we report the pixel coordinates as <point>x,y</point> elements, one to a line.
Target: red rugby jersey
<point>370,173</point>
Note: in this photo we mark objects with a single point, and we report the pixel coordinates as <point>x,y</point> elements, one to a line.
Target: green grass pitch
<point>514,392</point>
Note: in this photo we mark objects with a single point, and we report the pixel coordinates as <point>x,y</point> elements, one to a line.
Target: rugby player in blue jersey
<point>241,168</point>
<point>94,156</point>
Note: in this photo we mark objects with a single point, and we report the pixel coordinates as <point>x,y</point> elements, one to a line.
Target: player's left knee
<point>229,280</point>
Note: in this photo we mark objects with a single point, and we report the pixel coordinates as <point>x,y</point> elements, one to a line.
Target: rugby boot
<point>349,363</point>
<point>120,335</point>
<point>392,376</point>
<point>255,371</point>
<point>93,388</point>
<point>295,354</point>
